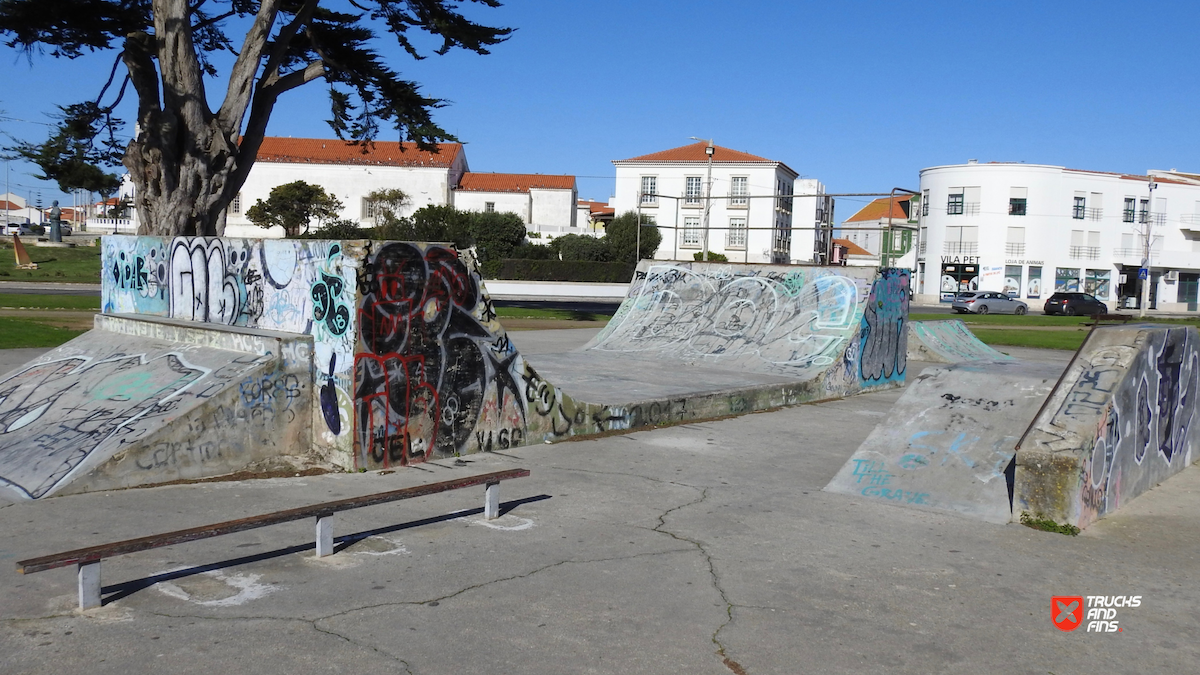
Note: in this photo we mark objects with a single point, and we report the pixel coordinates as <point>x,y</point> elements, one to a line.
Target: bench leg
<point>324,536</point>
<point>491,501</point>
<point>89,585</point>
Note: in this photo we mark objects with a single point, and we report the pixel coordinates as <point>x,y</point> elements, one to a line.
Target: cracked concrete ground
<point>702,548</point>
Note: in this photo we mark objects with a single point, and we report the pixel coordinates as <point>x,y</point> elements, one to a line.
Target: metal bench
<point>88,559</point>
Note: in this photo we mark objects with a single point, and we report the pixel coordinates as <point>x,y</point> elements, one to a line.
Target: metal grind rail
<point>88,559</point>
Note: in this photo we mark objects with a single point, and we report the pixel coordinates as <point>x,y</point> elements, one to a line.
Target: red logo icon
<point>1066,611</point>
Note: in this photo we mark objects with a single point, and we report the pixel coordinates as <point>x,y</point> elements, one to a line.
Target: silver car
<point>988,302</point>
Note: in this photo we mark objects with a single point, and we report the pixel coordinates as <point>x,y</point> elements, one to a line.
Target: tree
<point>73,156</point>
<point>496,235</point>
<point>187,160</point>
<point>578,247</point>
<point>621,236</point>
<point>386,205</point>
<point>293,206</point>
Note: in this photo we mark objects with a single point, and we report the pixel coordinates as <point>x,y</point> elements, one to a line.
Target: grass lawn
<point>18,333</point>
<point>30,301</point>
<point>76,265</point>
<point>1042,339</point>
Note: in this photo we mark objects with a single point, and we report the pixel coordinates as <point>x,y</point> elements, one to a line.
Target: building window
<point>235,206</point>
<point>691,191</point>
<point>954,204</point>
<point>1016,206</point>
<point>739,190</point>
<point>1079,207</point>
<point>1144,211</point>
<point>489,207</point>
<point>691,231</point>
<point>1127,212</point>
<point>737,233</point>
<point>925,202</point>
<point>368,208</point>
<point>649,189</point>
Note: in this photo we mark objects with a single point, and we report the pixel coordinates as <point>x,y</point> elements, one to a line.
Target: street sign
<point>1143,273</point>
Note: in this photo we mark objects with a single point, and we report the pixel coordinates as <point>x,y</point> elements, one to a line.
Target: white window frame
<point>693,189</point>
<point>368,208</point>
<point>489,207</point>
<point>235,205</point>
<point>739,191</point>
<point>691,236</point>
<point>736,237</point>
<point>649,191</point>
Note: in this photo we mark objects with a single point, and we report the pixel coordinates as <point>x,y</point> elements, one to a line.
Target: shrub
<point>562,270</point>
<point>621,236</point>
<point>712,257</point>
<point>579,247</point>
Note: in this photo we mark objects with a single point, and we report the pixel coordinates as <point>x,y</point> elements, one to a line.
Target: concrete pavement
<point>700,548</point>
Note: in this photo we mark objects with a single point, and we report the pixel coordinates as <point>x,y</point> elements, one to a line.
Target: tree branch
<point>241,77</point>
<point>283,41</point>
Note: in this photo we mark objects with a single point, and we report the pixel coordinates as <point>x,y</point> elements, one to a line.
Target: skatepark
<point>721,539</point>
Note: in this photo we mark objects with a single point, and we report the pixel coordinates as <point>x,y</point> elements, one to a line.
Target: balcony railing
<point>1127,253</point>
<point>961,248</point>
<point>1190,219</point>
<point>971,209</point>
<point>1085,252</point>
<point>1012,249</point>
<point>1093,213</point>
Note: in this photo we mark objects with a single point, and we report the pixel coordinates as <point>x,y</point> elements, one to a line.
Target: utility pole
<point>1145,269</point>
<point>708,195</point>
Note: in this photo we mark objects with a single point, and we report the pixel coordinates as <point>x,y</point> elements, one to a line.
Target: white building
<point>1030,230</point>
<point>352,172</point>
<point>545,203</point>
<point>753,216</point>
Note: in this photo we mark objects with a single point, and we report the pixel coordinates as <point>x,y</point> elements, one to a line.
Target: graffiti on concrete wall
<point>53,415</point>
<point>1146,430</point>
<point>294,286</point>
<point>787,322</point>
<point>883,336</point>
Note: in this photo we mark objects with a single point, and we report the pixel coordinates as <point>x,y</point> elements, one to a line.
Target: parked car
<point>986,302</point>
<point>1072,304</point>
<point>64,229</point>
<point>23,229</point>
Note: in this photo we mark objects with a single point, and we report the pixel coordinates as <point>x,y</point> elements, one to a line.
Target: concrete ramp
<point>948,341</point>
<point>1123,420</point>
<point>135,403</point>
<point>948,441</point>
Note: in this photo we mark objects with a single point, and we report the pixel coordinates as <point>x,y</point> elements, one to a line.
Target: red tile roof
<point>695,153</point>
<point>333,151</point>
<point>851,247</point>
<point>878,210</point>
<point>513,182</point>
<point>6,205</point>
<point>597,207</point>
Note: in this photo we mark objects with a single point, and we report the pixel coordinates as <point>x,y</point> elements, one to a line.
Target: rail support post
<point>491,501</point>
<point>89,585</point>
<point>324,535</point>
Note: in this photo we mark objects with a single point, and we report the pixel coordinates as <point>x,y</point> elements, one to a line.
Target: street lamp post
<point>1146,251</point>
<point>707,192</point>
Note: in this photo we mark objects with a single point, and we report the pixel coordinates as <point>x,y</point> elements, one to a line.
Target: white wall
<point>506,202</point>
<point>424,186</point>
<point>672,213</point>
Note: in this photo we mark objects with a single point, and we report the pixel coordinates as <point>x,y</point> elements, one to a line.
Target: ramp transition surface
<point>948,341</point>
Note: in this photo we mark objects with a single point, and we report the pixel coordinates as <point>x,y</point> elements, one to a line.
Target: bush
<point>496,235</point>
<point>621,237</point>
<point>535,252</point>
<point>562,270</point>
<point>712,257</point>
<point>338,229</point>
<point>579,247</point>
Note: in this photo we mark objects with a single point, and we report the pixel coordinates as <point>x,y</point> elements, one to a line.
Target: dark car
<point>1073,304</point>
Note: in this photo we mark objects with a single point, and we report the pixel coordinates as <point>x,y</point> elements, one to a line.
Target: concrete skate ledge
<point>294,348</point>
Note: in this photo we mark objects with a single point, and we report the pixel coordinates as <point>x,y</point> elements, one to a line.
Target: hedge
<point>561,270</point>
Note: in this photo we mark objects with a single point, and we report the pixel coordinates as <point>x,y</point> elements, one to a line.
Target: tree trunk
<point>185,161</point>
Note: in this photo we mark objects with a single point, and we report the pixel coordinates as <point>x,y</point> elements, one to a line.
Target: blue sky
<point>861,95</point>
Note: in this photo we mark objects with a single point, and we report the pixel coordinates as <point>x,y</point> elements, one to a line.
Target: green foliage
<point>496,235</point>
<point>621,236</point>
<point>387,204</point>
<point>561,270</point>
<point>578,247</point>
<point>74,154</point>
<point>1040,522</point>
<point>338,229</point>
<point>535,252</point>
<point>288,45</point>
<point>293,206</point>
<point>712,257</point>
<point>441,223</point>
